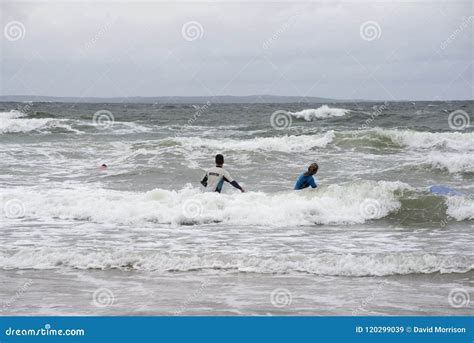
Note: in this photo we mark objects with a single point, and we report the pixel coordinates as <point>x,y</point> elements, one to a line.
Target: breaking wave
<point>43,123</point>
<point>376,138</point>
<point>15,122</point>
<point>319,113</point>
<point>456,163</point>
<point>353,203</point>
<point>281,144</point>
<point>319,264</point>
<point>425,140</point>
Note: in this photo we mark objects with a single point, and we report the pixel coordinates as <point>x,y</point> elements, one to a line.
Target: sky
<point>379,50</point>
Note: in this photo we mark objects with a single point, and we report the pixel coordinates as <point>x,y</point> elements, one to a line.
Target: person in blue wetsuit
<point>307,179</point>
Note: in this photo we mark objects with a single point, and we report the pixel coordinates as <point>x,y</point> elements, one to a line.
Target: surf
<point>324,263</point>
<point>322,112</point>
<point>339,204</point>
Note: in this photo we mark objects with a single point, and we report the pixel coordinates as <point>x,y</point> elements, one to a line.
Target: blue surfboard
<point>443,190</point>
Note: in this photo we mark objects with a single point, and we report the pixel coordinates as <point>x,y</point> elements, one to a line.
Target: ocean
<point>142,238</point>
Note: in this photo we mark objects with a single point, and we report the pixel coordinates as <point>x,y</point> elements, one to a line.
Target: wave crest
<point>425,140</point>
<point>456,163</point>
<point>319,113</point>
<point>318,264</point>
<point>335,204</point>
<point>15,122</point>
<point>13,114</point>
<point>282,144</point>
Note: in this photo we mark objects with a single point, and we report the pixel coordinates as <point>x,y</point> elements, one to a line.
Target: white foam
<point>127,258</point>
<point>117,127</point>
<point>460,207</point>
<point>336,204</point>
<point>129,127</point>
<point>282,144</point>
<point>15,122</point>
<point>25,125</point>
<point>13,114</point>
<point>452,162</point>
<point>320,113</point>
<point>423,140</point>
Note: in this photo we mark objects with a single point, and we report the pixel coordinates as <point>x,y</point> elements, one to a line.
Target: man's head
<point>219,160</point>
<point>312,169</point>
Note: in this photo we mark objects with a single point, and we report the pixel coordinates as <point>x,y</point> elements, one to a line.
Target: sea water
<point>142,238</point>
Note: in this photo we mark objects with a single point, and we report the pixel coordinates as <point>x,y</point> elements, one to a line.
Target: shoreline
<point>112,293</point>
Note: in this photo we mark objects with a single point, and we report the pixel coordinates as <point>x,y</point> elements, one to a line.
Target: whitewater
<point>144,229</point>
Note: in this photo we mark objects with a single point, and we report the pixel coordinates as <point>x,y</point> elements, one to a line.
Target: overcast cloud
<point>411,50</point>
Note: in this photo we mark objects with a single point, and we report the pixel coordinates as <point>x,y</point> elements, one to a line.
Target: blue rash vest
<point>305,182</point>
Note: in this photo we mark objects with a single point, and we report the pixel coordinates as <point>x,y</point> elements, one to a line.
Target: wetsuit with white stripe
<point>215,177</point>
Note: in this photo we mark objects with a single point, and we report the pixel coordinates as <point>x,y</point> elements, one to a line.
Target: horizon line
<point>4,98</point>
